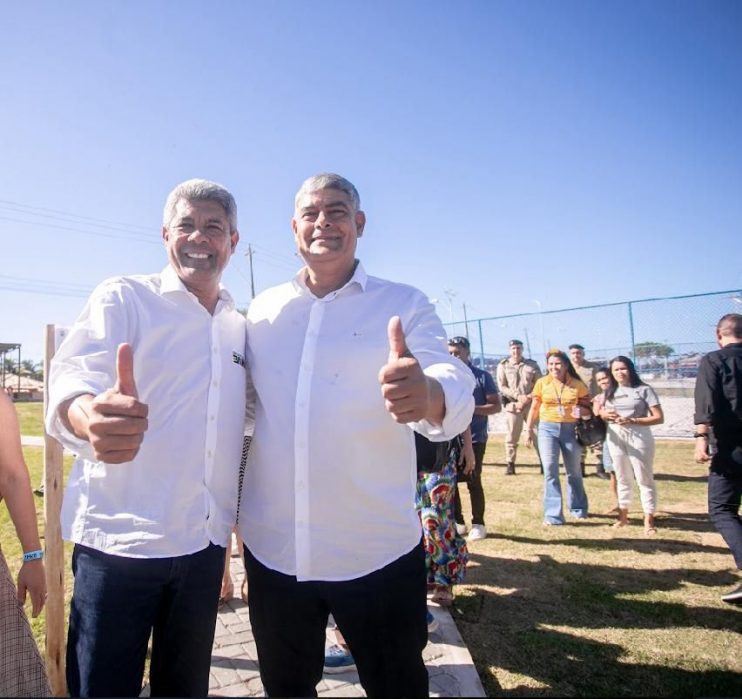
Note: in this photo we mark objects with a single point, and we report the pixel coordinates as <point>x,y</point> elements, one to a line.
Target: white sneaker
<point>477,532</point>
<point>461,529</point>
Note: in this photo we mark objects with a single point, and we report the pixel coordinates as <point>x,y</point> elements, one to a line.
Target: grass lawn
<point>585,610</point>
<point>578,610</point>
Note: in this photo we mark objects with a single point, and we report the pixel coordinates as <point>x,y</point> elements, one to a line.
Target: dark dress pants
<point>724,491</point>
<point>382,616</point>
<point>118,601</point>
<point>476,492</point>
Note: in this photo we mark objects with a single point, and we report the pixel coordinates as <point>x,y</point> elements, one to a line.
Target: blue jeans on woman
<point>553,438</point>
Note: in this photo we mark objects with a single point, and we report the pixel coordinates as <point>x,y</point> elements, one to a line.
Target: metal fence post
<point>481,344</point>
<point>631,331</point>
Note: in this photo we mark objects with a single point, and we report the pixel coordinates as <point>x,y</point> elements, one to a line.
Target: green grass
<point>585,610</point>
<point>31,418</point>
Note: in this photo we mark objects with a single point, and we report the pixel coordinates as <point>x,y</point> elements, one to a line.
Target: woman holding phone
<point>631,407</point>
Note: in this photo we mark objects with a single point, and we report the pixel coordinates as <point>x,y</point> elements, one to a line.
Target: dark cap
<point>576,346</point>
<point>515,342</point>
<point>460,341</point>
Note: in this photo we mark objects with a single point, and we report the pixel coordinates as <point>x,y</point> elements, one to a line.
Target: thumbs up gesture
<point>408,394</point>
<point>114,422</point>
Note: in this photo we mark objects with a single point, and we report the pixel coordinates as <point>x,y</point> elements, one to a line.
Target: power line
<point>28,208</point>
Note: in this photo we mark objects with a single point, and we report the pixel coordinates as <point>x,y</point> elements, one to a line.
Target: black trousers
<point>476,492</point>
<point>382,615</point>
<point>724,494</point>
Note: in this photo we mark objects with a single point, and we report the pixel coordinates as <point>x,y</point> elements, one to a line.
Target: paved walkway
<point>234,662</point>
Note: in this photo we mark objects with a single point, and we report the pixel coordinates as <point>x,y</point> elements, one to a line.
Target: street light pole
<point>248,254</point>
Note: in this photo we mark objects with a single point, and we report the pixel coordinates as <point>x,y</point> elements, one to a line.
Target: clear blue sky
<point>565,152</point>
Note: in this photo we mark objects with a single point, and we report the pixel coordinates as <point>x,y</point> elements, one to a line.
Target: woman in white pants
<point>630,408</point>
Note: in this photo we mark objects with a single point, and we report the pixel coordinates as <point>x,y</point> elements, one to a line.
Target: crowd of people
<point>329,430</point>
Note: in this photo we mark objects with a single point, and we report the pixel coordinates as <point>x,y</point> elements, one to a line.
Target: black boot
<point>600,473</point>
<point>510,470</point>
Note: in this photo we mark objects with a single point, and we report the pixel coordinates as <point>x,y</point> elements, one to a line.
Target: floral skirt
<point>22,671</point>
<point>445,550</point>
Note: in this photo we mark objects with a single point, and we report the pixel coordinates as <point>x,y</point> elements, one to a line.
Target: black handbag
<point>590,431</point>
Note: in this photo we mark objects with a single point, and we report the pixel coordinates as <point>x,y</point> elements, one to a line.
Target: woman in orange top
<point>559,399</point>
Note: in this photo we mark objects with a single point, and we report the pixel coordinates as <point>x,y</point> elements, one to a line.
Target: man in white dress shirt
<point>344,367</point>
<point>148,390</point>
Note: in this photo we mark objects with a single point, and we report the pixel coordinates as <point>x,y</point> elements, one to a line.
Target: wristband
<point>32,555</point>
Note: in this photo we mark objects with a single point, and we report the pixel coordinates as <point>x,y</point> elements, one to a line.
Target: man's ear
<point>360,222</point>
<point>235,237</point>
<point>165,234</point>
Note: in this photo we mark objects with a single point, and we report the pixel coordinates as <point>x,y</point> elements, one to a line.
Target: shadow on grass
<point>596,596</point>
<point>570,665</point>
<point>512,630</point>
<point>675,478</point>
<point>621,543</point>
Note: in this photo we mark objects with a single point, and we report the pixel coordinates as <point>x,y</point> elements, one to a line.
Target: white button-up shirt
<point>180,491</point>
<point>329,490</point>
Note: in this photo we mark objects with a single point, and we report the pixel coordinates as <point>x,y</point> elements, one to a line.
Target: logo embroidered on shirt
<point>237,358</point>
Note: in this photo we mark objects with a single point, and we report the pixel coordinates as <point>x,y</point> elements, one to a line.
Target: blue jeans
<point>554,437</point>
<point>118,601</point>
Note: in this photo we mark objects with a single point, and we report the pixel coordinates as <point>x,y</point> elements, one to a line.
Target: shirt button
<point>211,417</point>
<point>208,453</point>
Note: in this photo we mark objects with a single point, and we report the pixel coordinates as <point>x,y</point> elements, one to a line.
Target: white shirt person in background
<point>148,389</point>
<point>344,367</point>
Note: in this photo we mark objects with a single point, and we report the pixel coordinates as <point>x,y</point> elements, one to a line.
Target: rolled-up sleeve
<point>457,383</point>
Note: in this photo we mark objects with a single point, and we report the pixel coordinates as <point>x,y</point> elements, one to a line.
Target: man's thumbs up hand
<point>397,342</point>
<point>114,422</point>
<point>404,386</point>
<point>125,383</point>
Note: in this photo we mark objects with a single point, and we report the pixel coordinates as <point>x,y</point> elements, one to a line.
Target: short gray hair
<point>329,180</point>
<point>201,190</point>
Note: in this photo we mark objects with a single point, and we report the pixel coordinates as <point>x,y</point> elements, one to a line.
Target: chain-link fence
<point>666,338</point>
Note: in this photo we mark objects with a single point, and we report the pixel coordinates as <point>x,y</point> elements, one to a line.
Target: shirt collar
<point>170,282</point>
<point>359,278</point>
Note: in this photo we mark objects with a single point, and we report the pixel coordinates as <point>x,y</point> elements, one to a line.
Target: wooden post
<point>53,546</point>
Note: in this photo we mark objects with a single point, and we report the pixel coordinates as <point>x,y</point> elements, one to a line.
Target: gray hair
<point>329,180</point>
<point>201,190</point>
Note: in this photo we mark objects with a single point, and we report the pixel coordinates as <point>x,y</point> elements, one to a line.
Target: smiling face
<point>556,368</point>
<point>326,228</point>
<point>199,244</point>
<point>603,380</point>
<point>621,373</point>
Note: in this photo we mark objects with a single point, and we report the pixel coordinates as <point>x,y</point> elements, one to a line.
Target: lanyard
<point>560,407</point>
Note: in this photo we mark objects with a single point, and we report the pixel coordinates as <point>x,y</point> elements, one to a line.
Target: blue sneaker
<point>337,659</point>
<point>432,623</point>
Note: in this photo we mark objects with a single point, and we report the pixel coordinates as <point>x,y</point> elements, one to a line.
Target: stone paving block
<point>233,690</point>
<point>231,639</point>
<point>220,629</point>
<point>225,676</point>
<point>344,690</point>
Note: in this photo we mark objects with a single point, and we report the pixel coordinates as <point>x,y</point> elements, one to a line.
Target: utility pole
<point>248,254</point>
